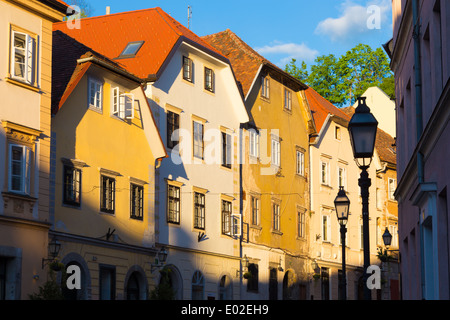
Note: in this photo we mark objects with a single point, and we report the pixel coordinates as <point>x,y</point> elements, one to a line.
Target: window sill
<point>23,84</point>
<point>278,232</point>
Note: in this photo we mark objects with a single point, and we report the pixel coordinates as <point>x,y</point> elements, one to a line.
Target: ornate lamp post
<point>342,204</point>
<point>363,130</point>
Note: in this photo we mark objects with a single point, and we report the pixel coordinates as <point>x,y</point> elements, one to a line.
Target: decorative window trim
<point>110,173</point>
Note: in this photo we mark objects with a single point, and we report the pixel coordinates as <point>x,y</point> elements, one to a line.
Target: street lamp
<point>54,247</point>
<point>342,204</point>
<point>387,238</point>
<point>363,130</point>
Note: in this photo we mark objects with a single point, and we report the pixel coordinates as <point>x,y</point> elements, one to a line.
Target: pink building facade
<point>420,59</point>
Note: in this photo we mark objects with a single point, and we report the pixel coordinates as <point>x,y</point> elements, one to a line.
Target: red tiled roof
<point>245,61</point>
<point>110,34</point>
<point>66,72</point>
<point>321,107</point>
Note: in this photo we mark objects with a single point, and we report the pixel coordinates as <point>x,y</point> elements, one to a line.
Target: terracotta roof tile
<point>321,107</point>
<point>66,72</point>
<point>245,61</point>
<point>109,35</point>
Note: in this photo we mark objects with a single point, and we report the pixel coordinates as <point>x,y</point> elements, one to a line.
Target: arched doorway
<point>289,281</point>
<point>225,288</point>
<point>170,284</point>
<point>84,293</point>
<point>198,286</point>
<point>136,284</point>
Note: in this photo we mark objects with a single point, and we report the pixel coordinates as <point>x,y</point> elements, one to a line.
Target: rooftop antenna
<point>189,16</point>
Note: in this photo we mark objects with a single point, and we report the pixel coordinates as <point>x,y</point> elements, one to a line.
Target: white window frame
<point>254,138</point>
<point>265,87</point>
<point>29,54</point>
<point>276,216</point>
<point>287,99</point>
<point>300,163</point>
<point>344,177</point>
<point>391,188</point>
<point>276,151</point>
<point>25,169</point>
<point>325,179</point>
<point>98,94</point>
<point>326,228</point>
<point>122,104</point>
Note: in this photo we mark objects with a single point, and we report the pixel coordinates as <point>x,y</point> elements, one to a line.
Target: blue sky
<point>279,30</point>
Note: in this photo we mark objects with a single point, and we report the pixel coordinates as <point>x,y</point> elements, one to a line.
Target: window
<point>173,204</point>
<point>301,223</point>
<point>342,177</point>
<point>255,211</point>
<point>107,198</point>
<point>72,186</point>
<point>226,218</point>
<point>198,140</point>
<point>275,216</point>
<point>173,124</point>
<point>209,79</point>
<point>337,133</point>
<point>136,201</point>
<point>391,188</point>
<point>254,143</point>
<point>275,151</point>
<point>20,160</point>
<point>265,87</point>
<point>199,210</point>
<point>23,57</point>
<point>131,49</point>
<point>122,104</point>
<point>326,230</point>
<point>287,99</point>
<point>107,282</point>
<point>226,150</point>
<point>300,170</point>
<point>324,179</point>
<point>187,69</point>
<point>95,94</point>
<point>198,284</point>
<point>252,282</point>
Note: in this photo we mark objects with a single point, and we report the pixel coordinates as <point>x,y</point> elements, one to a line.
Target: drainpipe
<point>419,121</point>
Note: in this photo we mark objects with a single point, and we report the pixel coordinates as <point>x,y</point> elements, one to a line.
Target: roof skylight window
<point>131,49</point>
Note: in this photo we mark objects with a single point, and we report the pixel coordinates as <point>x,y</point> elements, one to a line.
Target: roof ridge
<point>244,46</point>
<point>112,15</point>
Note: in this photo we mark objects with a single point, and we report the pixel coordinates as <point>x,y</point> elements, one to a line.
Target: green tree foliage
<point>343,80</point>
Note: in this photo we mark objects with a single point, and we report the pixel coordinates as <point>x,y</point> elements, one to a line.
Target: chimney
<point>108,10</point>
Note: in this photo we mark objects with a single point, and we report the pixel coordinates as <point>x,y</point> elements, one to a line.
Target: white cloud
<point>356,19</point>
<point>288,51</point>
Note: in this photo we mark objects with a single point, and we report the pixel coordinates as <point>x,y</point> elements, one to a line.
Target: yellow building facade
<point>105,150</point>
<point>26,88</point>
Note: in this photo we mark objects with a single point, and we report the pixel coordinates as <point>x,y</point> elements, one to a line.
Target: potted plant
<point>247,275</point>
